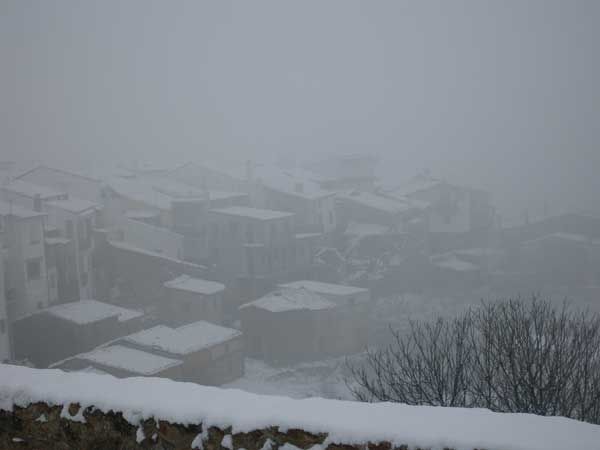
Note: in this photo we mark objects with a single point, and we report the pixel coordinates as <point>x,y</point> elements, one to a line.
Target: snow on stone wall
<point>51,409</point>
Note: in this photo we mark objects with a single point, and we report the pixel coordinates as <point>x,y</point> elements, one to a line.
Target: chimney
<point>37,203</point>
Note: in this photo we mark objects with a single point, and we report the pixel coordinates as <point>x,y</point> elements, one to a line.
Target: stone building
<point>190,299</point>
<point>297,324</point>
<point>210,354</point>
<point>64,330</point>
<point>451,208</point>
<point>131,275</point>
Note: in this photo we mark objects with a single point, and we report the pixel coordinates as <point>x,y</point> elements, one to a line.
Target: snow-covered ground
<point>315,379</point>
<point>328,378</point>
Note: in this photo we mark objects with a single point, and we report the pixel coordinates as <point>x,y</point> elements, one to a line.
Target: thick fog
<point>367,200</point>
<point>502,95</point>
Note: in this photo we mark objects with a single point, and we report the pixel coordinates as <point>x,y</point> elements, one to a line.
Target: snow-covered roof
<point>417,183</point>
<point>308,235</point>
<point>31,190</point>
<point>292,181</point>
<point>253,213</point>
<point>88,311</point>
<point>139,191</point>
<point>342,421</point>
<point>479,252</point>
<point>129,359</point>
<point>366,229</point>
<point>185,339</point>
<point>91,369</point>
<point>74,205</point>
<point>197,285</point>
<point>295,182</point>
<point>142,251</point>
<point>560,236</point>
<point>378,202</point>
<point>179,190</point>
<point>320,287</point>
<point>64,171</point>
<point>162,192</point>
<point>141,214</point>
<point>8,209</point>
<point>56,240</point>
<point>288,299</point>
<point>453,263</point>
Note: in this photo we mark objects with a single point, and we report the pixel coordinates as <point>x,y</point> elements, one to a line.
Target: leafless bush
<point>509,356</point>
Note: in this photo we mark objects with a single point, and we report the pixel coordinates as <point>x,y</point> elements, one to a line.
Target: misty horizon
<point>500,95</point>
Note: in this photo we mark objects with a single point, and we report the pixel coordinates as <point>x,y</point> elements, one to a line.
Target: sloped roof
<point>129,359</point>
<point>185,339</point>
<point>88,311</point>
<point>288,299</point>
<point>253,213</point>
<point>31,190</point>
<point>320,287</point>
<point>197,285</point>
<point>74,205</point>
<point>8,209</point>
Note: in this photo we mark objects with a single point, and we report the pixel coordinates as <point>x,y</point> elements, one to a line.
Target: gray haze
<point>503,95</point>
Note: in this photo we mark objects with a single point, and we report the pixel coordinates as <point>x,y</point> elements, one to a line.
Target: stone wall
<point>69,427</point>
<point>44,409</point>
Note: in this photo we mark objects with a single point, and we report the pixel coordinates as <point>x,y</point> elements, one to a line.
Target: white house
<point>23,254</point>
<point>5,344</point>
<point>76,218</point>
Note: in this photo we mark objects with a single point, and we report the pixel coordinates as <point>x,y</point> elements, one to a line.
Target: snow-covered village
<point>223,252</point>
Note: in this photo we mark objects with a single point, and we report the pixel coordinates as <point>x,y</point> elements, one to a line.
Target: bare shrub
<point>509,356</point>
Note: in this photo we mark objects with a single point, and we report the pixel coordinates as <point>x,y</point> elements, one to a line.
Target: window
<point>34,233</point>
<point>84,237</point>
<point>233,229</point>
<point>34,269</point>
<point>1,224</point>
<point>84,278</point>
<point>331,218</point>
<point>2,326</point>
<point>249,234</point>
<point>69,229</point>
<point>52,281</point>
<point>250,263</point>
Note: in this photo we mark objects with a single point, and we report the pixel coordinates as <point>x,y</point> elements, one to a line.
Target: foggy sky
<point>501,94</point>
